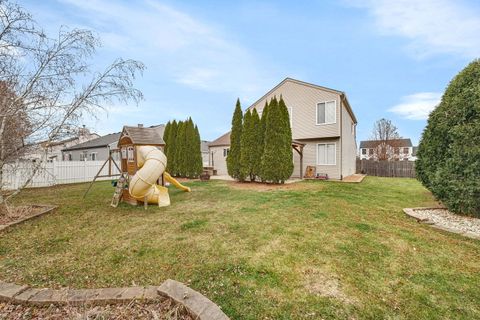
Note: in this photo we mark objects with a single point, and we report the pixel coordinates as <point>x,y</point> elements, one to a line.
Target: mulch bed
<point>166,309</point>
<point>20,213</point>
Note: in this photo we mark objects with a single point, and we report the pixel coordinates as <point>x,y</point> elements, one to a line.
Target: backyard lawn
<point>310,250</point>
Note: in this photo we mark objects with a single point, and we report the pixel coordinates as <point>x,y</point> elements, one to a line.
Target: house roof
<point>223,140</point>
<point>342,94</point>
<point>374,143</point>
<point>102,141</point>
<point>145,136</point>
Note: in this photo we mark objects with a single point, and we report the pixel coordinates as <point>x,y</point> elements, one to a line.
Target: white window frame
<point>91,156</point>
<point>335,154</point>
<point>316,112</point>
<point>290,113</point>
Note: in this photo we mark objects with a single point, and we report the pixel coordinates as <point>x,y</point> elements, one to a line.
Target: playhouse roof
<point>144,136</point>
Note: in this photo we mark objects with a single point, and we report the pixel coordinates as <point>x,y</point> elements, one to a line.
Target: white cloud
<point>189,51</point>
<point>417,106</point>
<point>433,26</point>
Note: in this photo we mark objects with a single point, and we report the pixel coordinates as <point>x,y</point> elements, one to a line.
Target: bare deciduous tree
<point>386,137</point>
<point>47,85</point>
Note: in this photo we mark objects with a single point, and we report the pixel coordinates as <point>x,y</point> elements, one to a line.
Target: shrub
<point>233,158</point>
<point>449,152</point>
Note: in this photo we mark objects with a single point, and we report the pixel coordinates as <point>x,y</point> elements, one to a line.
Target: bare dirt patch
<point>259,186</point>
<point>324,284</point>
<point>134,310</point>
<point>20,212</point>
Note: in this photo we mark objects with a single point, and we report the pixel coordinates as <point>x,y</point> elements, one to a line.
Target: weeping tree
<point>448,155</point>
<point>48,86</point>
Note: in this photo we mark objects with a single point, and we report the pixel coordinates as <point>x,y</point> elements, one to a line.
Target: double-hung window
<point>326,154</point>
<point>326,112</point>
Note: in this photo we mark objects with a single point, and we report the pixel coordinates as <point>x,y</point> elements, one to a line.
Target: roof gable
<point>223,140</point>
<point>343,96</point>
<point>144,136</point>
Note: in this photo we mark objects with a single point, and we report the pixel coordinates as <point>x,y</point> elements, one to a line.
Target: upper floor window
<point>405,150</point>
<point>326,112</point>
<point>83,156</point>
<point>364,151</point>
<point>93,156</point>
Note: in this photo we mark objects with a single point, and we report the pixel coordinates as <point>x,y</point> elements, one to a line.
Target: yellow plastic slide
<point>151,162</point>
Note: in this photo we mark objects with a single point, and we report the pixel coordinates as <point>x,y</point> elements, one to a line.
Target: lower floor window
<point>326,153</point>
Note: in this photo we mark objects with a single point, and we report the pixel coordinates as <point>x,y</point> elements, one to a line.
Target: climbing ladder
<point>122,181</point>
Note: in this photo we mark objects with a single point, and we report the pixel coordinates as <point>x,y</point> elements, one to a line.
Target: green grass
<point>318,250</point>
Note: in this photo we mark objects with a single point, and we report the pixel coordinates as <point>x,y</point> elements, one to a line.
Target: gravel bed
<point>444,218</point>
<point>160,310</point>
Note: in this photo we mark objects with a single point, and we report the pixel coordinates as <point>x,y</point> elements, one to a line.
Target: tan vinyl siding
<point>349,145</point>
<point>310,159</point>
<point>217,160</point>
<point>303,102</point>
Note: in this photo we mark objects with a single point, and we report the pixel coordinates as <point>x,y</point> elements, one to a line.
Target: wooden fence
<point>386,168</point>
<point>52,173</point>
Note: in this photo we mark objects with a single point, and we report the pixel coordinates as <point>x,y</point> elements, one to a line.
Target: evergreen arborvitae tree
<point>166,132</point>
<point>198,162</point>
<point>257,148</point>
<point>180,149</point>
<point>261,139</point>
<point>448,154</point>
<point>247,145</point>
<point>285,152</point>
<point>189,149</point>
<point>273,144</point>
<point>171,150</point>
<point>233,157</point>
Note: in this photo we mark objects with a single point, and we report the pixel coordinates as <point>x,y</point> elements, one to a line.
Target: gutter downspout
<point>341,136</point>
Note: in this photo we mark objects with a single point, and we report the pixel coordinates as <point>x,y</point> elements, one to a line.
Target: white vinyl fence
<point>52,173</point>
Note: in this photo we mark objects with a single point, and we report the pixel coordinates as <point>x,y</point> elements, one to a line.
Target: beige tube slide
<point>143,185</point>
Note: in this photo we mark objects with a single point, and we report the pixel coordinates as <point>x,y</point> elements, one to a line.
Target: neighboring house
<point>54,149</point>
<point>205,153</point>
<point>99,149</point>
<point>323,127</point>
<point>395,150</point>
<point>219,149</point>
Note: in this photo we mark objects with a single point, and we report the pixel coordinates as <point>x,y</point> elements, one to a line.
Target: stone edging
<point>47,210</point>
<point>197,304</point>
<point>411,213</point>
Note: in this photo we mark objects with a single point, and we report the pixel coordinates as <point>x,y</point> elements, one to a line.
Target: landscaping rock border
<point>48,209</point>
<point>411,212</point>
<point>200,307</point>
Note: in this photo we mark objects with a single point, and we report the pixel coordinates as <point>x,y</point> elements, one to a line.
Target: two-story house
<point>323,128</point>
<point>393,150</point>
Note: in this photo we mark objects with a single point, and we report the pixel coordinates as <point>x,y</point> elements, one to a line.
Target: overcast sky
<point>392,58</point>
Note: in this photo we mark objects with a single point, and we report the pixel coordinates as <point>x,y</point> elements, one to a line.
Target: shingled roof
<point>145,136</point>
<point>366,144</point>
<point>223,140</point>
<point>100,142</point>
